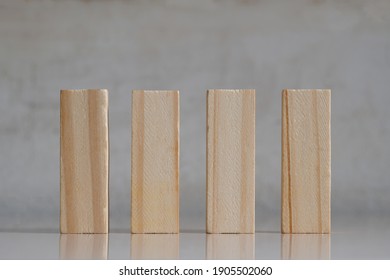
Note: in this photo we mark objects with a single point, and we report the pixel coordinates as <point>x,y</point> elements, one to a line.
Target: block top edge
<point>306,90</point>
<point>83,91</point>
<point>154,91</point>
<point>248,91</point>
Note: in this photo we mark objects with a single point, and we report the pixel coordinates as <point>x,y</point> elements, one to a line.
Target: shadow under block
<point>230,161</point>
<point>84,161</point>
<point>306,172</point>
<point>155,162</point>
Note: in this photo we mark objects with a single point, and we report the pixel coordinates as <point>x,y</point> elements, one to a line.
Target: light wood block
<point>230,161</point>
<point>155,247</point>
<point>306,171</point>
<point>230,247</point>
<point>84,161</point>
<point>155,162</point>
<point>83,246</point>
<point>305,246</point>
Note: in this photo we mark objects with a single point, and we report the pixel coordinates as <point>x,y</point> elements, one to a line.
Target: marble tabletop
<point>349,243</point>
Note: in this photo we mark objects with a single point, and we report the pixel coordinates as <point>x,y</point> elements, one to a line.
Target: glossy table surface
<point>364,242</point>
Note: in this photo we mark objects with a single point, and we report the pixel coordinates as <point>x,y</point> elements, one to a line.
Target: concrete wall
<point>47,45</point>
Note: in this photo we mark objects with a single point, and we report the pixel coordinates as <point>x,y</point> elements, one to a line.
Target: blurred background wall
<point>48,45</point>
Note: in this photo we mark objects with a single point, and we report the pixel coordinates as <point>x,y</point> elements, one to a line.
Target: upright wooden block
<point>155,162</point>
<point>306,161</point>
<point>231,161</point>
<point>84,161</point>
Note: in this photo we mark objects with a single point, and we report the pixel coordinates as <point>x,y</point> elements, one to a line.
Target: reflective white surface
<point>368,243</point>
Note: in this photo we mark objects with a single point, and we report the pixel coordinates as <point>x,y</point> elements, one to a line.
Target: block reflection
<point>155,246</point>
<point>230,247</point>
<point>305,246</point>
<point>83,246</point>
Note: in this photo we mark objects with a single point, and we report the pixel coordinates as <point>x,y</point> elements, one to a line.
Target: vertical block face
<point>306,171</point>
<point>155,162</point>
<point>230,161</point>
<point>84,161</point>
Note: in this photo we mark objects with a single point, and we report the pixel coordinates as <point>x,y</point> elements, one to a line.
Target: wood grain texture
<point>155,247</point>
<point>230,161</point>
<point>84,161</point>
<point>155,162</point>
<point>305,246</point>
<point>230,247</point>
<point>83,246</point>
<point>306,171</point>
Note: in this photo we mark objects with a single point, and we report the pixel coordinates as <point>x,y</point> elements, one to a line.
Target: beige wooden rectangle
<point>230,161</point>
<point>155,162</point>
<point>306,173</point>
<point>84,161</point>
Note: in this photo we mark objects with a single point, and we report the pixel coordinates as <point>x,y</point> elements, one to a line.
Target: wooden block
<point>84,161</point>
<point>230,161</point>
<point>230,247</point>
<point>306,161</point>
<point>155,162</point>
<point>155,246</point>
<point>83,246</point>
<point>305,246</point>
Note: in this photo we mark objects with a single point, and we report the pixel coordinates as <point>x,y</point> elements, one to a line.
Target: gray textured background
<point>48,45</point>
